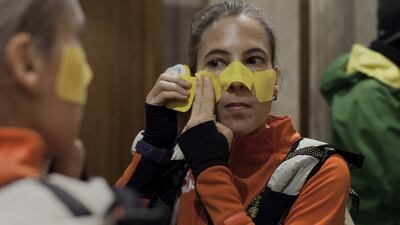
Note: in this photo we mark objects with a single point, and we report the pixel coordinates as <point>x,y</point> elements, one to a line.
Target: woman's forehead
<point>72,20</point>
<point>234,34</point>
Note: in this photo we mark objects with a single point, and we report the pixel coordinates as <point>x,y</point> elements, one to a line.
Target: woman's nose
<point>235,86</point>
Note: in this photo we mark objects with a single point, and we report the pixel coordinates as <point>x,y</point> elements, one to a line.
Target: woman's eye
<point>255,61</point>
<point>215,63</point>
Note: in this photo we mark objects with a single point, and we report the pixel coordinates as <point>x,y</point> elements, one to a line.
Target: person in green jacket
<point>363,91</point>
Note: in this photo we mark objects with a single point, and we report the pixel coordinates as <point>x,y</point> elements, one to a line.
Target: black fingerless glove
<point>161,126</point>
<point>203,147</point>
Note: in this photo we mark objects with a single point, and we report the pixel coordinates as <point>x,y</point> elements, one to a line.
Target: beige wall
<point>284,16</point>
<point>123,43</point>
<point>177,20</point>
<point>334,26</point>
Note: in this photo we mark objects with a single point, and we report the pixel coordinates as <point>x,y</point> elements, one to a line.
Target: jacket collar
<point>22,154</point>
<point>279,134</point>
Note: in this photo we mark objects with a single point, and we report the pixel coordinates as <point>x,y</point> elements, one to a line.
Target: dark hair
<point>36,17</point>
<point>227,8</point>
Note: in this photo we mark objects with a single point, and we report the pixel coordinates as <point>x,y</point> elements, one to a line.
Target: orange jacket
<point>227,192</point>
<point>22,154</point>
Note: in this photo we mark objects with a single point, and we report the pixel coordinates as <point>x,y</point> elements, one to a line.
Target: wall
<point>334,26</point>
<point>124,40</point>
<point>284,16</point>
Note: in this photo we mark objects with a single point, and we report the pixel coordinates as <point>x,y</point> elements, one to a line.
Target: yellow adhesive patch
<point>236,72</point>
<point>183,72</point>
<point>263,81</point>
<point>264,85</point>
<point>74,76</point>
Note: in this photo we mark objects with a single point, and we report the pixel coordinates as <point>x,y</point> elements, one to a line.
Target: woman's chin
<point>240,130</point>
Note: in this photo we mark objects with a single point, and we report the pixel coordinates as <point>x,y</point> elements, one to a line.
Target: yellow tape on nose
<point>74,76</point>
<point>262,81</point>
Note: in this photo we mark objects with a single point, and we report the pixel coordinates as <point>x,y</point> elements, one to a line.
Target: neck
<point>12,111</point>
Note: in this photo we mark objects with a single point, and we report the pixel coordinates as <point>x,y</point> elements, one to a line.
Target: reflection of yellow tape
<point>263,83</point>
<point>74,76</point>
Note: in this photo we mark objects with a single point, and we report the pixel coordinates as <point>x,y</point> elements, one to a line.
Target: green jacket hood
<point>362,63</point>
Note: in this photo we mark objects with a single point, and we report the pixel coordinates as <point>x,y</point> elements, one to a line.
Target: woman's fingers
<point>164,85</point>
<point>175,79</point>
<point>168,87</point>
<point>165,96</point>
<point>203,104</point>
<point>224,130</point>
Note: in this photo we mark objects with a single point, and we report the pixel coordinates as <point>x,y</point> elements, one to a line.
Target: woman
<point>44,78</point>
<point>40,44</point>
<point>230,160</point>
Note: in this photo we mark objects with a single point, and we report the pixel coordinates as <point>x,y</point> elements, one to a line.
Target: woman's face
<point>237,38</point>
<point>59,120</point>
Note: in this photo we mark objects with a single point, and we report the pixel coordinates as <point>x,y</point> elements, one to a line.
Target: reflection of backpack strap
<point>303,161</point>
<point>76,208</point>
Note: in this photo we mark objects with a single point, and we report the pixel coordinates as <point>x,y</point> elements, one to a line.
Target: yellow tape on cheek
<point>184,106</point>
<point>74,76</point>
<point>264,85</point>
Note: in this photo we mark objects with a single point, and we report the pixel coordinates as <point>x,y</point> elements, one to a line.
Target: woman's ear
<point>21,58</point>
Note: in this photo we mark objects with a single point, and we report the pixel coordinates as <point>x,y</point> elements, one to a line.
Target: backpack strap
<point>302,162</point>
<point>76,207</point>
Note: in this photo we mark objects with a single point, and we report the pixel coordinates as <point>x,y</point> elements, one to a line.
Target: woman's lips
<point>237,106</point>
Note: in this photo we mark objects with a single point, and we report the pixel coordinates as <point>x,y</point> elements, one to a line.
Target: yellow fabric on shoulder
<point>374,65</point>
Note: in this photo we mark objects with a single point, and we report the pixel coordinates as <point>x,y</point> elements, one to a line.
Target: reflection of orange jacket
<point>227,192</point>
<point>21,154</point>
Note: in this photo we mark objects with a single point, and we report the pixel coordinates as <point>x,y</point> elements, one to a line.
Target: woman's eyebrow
<point>217,52</point>
<point>256,50</point>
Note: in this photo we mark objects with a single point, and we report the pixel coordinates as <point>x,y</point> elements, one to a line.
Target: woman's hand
<point>161,123</point>
<point>204,143</point>
<point>168,87</point>
<point>203,108</point>
<point>224,130</point>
